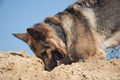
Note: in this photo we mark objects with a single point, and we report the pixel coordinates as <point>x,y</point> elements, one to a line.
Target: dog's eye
<point>47,47</point>
<point>45,44</point>
<point>44,54</point>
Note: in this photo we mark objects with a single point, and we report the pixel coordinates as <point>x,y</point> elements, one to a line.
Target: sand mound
<point>20,66</point>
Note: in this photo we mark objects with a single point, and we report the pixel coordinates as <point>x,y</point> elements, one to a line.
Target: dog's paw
<point>88,3</point>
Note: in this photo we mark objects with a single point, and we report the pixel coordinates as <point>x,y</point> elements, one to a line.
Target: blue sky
<point>17,15</point>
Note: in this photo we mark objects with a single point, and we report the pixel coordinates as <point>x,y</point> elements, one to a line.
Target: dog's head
<point>45,44</point>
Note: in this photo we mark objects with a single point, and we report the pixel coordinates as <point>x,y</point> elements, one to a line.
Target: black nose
<point>47,69</point>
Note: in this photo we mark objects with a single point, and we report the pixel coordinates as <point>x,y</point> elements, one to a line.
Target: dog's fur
<point>81,31</point>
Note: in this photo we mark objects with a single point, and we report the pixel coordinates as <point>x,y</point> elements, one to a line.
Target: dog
<point>82,31</point>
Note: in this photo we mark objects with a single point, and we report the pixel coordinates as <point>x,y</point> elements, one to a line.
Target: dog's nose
<point>47,69</point>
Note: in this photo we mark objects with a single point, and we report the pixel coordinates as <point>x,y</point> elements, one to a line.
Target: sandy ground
<point>20,66</point>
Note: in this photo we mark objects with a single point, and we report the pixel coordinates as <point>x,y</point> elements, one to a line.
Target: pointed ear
<point>22,36</point>
<point>38,35</point>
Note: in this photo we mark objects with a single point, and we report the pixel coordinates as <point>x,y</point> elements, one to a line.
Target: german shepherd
<point>82,31</point>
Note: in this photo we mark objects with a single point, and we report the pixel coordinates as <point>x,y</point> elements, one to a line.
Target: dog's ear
<point>37,35</point>
<point>22,36</point>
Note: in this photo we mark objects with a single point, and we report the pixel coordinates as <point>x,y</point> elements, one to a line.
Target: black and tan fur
<point>82,31</point>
